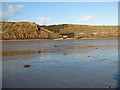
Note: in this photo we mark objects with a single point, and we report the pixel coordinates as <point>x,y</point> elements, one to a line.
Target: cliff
<point>25,30</point>
<point>29,30</point>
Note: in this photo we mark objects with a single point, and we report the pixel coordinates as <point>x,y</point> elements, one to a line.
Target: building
<point>81,33</point>
<point>67,35</point>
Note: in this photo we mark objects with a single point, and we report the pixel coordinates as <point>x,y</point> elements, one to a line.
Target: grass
<point>29,30</point>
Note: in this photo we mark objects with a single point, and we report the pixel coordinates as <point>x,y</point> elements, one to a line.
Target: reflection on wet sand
<point>12,53</point>
<point>87,46</point>
<point>50,50</point>
<point>69,64</point>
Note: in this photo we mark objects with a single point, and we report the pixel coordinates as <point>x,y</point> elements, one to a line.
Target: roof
<point>66,33</point>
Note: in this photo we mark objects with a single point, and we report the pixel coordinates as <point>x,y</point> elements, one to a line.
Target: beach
<point>89,63</point>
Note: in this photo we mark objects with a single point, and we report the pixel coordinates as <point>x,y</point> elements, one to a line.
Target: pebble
<point>55,46</point>
<point>39,51</point>
<point>108,87</point>
<point>26,66</point>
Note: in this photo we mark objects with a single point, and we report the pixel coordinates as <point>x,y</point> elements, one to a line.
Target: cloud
<point>43,20</point>
<point>0,15</point>
<point>20,6</point>
<point>64,22</point>
<point>10,11</point>
<point>4,17</point>
<point>85,19</point>
<point>18,20</point>
<point>14,9</point>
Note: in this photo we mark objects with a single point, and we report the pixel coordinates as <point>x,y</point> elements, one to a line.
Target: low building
<point>94,33</point>
<point>104,32</point>
<point>81,33</point>
<point>67,35</point>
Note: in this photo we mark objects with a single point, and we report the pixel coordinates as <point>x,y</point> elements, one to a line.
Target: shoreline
<point>60,39</point>
<point>26,40</point>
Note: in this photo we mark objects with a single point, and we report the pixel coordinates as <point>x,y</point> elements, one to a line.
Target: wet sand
<point>69,64</point>
<point>60,39</point>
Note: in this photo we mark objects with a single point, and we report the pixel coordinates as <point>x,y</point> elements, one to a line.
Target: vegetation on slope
<point>25,30</point>
<point>29,30</point>
<point>92,31</point>
<point>85,31</point>
<point>55,28</point>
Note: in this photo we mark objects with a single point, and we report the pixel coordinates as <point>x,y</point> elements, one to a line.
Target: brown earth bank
<point>25,30</point>
<point>31,30</point>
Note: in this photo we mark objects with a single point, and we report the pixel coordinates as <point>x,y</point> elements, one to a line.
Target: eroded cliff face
<point>30,30</point>
<point>25,30</point>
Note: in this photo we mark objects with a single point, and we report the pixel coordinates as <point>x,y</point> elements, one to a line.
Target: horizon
<point>61,24</point>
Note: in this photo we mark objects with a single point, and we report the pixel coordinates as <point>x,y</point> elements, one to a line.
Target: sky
<point>49,13</point>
